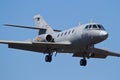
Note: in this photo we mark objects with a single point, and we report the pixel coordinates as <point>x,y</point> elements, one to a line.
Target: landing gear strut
<point>83,62</point>
<point>48,58</point>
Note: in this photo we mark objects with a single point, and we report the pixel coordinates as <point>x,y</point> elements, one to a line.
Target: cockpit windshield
<point>95,26</point>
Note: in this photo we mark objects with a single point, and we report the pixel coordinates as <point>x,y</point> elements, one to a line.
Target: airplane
<point>78,41</point>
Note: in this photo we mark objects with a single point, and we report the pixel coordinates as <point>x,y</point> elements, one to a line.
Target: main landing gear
<point>83,62</point>
<point>48,58</point>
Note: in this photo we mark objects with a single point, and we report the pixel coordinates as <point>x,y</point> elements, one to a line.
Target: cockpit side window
<point>87,27</point>
<point>100,27</point>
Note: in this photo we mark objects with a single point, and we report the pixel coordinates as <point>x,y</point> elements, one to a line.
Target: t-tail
<point>42,24</point>
<point>44,30</point>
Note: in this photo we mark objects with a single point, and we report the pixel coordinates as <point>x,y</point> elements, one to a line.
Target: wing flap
<point>37,46</point>
<point>28,47</point>
<point>97,55</point>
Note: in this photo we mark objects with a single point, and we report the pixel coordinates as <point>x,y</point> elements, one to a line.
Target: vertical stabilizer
<point>41,23</point>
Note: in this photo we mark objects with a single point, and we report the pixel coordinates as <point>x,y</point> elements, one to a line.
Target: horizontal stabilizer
<point>22,26</point>
<point>29,27</point>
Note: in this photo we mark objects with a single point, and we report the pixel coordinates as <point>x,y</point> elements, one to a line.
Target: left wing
<point>98,53</point>
<point>105,52</point>
<point>38,46</point>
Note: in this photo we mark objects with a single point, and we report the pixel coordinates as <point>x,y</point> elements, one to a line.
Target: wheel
<point>83,62</point>
<point>48,58</point>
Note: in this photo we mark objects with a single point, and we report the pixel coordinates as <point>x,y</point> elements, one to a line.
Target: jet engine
<point>46,38</point>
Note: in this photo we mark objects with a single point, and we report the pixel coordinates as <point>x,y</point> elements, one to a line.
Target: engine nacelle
<point>45,38</point>
<point>49,38</point>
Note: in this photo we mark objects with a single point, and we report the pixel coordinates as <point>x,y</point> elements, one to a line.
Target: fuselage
<point>83,35</point>
<point>79,38</point>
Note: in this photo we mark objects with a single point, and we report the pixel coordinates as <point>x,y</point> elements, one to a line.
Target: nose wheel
<point>83,62</point>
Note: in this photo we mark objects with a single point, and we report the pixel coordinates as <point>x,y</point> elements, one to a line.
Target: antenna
<point>91,20</point>
<point>79,23</point>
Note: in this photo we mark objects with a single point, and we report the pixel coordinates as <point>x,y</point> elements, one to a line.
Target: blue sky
<point>63,14</point>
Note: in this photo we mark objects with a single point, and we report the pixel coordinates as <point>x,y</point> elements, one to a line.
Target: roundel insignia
<point>38,38</point>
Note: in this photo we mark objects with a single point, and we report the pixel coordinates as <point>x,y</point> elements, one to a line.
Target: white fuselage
<point>81,36</point>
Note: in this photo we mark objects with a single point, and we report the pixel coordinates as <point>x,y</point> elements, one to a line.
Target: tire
<point>83,62</point>
<point>48,58</point>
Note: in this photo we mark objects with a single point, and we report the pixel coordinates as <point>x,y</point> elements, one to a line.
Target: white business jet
<point>78,41</point>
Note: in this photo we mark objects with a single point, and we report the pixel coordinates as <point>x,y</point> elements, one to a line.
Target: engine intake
<point>45,38</point>
<point>49,38</point>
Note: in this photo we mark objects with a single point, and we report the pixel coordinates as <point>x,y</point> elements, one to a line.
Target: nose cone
<point>103,35</point>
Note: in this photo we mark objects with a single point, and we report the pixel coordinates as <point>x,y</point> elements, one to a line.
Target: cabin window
<point>65,33</point>
<point>58,35</point>
<point>73,30</point>
<point>69,32</point>
<point>61,34</point>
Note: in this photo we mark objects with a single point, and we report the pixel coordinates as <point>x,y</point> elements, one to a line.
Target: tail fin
<point>41,23</point>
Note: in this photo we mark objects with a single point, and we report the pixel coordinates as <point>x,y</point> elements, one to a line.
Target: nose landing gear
<point>83,62</point>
